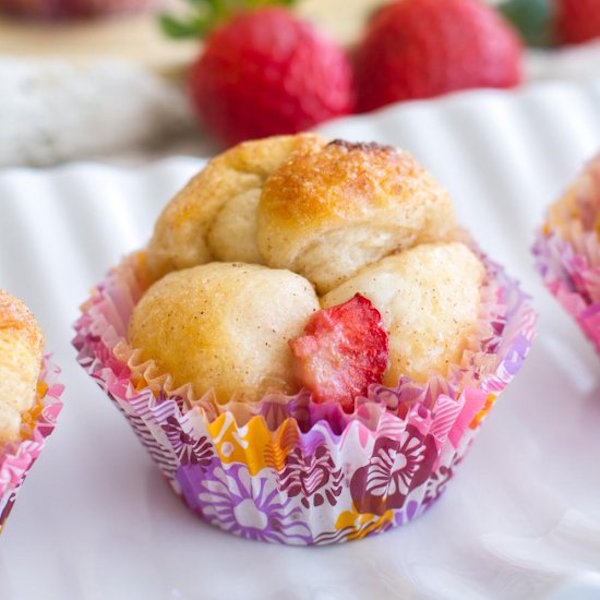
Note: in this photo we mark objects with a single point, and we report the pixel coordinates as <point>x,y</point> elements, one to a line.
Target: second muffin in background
<point>567,250</point>
<point>29,397</point>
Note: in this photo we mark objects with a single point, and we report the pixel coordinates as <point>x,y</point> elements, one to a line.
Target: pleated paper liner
<point>288,470</point>
<point>567,253</point>
<point>17,458</point>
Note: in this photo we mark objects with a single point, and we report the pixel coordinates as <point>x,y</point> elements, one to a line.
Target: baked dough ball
<point>327,213</point>
<point>214,216</point>
<point>21,348</point>
<point>224,326</point>
<point>429,299</point>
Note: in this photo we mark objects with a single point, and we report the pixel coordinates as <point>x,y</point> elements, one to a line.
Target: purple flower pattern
<point>251,506</point>
<point>436,485</point>
<point>313,477</point>
<point>189,449</point>
<point>396,467</point>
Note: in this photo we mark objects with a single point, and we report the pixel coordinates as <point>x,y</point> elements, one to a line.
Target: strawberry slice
<point>344,349</point>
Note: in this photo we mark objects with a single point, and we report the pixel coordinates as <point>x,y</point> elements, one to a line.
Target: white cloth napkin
<point>53,111</point>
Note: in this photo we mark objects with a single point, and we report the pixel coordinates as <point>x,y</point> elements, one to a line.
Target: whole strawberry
<point>264,72</point>
<point>554,22</point>
<point>424,48</point>
<point>69,9</point>
<point>577,21</point>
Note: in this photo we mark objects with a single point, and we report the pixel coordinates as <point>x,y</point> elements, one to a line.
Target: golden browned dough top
<point>180,235</point>
<point>15,316</point>
<point>342,179</point>
<point>255,160</point>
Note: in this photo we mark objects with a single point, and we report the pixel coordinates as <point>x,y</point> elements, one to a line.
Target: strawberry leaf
<point>205,15</point>
<point>181,29</point>
<point>534,20</point>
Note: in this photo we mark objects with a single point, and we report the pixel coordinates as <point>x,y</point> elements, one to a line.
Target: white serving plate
<point>522,517</point>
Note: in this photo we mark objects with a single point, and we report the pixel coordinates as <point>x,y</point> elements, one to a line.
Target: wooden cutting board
<point>138,38</point>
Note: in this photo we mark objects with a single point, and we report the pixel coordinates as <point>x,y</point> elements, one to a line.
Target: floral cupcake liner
<point>572,279</point>
<point>291,471</point>
<point>17,458</point>
<point>567,252</point>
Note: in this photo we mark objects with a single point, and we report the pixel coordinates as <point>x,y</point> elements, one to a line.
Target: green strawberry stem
<point>205,15</point>
<point>534,19</point>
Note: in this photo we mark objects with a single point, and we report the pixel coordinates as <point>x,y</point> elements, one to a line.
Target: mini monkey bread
<point>21,349</point>
<point>260,247</point>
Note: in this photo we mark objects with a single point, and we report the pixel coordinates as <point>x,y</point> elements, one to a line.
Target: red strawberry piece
<point>65,9</point>
<point>577,21</point>
<point>344,349</point>
<point>264,73</point>
<point>423,48</point>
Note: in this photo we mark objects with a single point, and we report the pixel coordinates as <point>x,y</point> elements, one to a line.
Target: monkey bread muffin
<point>567,250</point>
<point>29,404</point>
<point>309,341</point>
<point>21,347</point>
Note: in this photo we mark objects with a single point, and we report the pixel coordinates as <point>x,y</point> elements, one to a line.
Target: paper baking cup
<point>287,470</point>
<point>569,260</point>
<point>17,458</point>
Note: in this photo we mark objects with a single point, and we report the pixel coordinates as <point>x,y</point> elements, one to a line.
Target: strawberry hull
<point>286,469</point>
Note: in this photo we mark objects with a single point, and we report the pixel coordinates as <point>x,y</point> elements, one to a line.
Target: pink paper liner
<point>17,458</point>
<point>286,469</point>
<point>569,260</point>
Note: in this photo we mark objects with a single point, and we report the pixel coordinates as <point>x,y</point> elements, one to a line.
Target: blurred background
<point>128,81</point>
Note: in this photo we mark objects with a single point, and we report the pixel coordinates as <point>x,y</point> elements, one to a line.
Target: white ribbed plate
<point>520,520</point>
